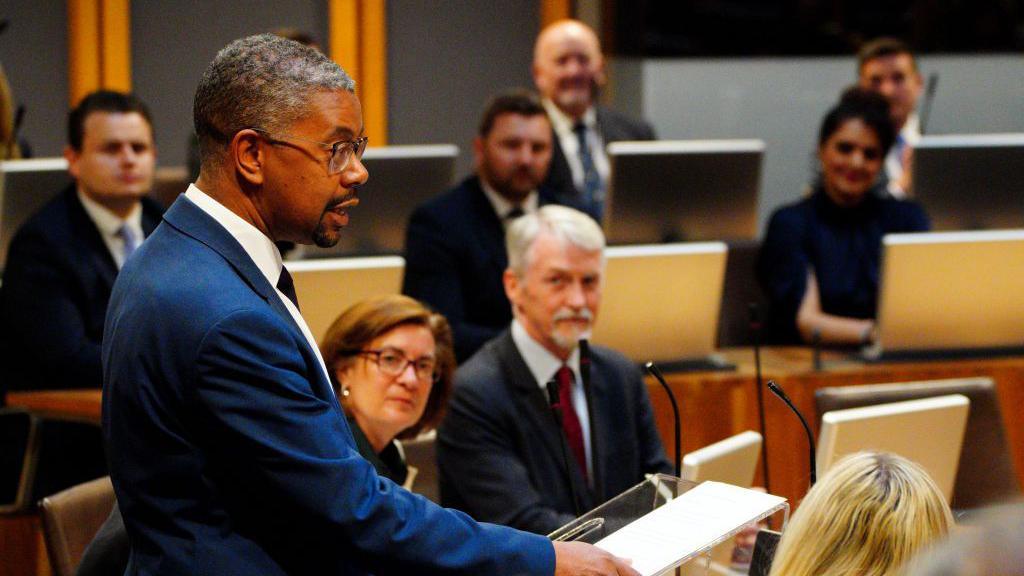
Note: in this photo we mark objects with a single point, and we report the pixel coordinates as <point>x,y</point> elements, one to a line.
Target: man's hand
<point>577,558</point>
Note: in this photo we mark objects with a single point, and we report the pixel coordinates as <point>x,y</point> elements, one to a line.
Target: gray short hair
<point>568,225</point>
<point>263,81</point>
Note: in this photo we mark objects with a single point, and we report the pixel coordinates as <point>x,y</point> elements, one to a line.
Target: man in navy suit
<point>568,70</point>
<point>62,262</point>
<point>500,451</point>
<point>228,450</point>
<point>455,243</point>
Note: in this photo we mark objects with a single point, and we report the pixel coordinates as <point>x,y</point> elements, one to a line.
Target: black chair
<point>986,473</point>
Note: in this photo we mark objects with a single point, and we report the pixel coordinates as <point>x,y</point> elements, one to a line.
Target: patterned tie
<point>593,196</point>
<point>131,240</point>
<point>570,421</point>
<point>287,286</point>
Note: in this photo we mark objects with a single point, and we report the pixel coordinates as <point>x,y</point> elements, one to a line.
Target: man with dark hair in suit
<point>455,243</point>
<point>568,69</point>
<point>228,451</point>
<point>62,262</point>
<point>500,451</point>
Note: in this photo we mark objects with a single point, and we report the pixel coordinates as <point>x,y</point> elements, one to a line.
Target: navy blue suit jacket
<point>454,260</point>
<point>499,449</point>
<point>228,450</point>
<point>614,127</point>
<point>56,286</point>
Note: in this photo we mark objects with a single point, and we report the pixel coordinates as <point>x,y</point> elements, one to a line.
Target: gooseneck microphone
<point>755,332</point>
<point>556,413</point>
<point>675,414</point>
<point>777,390</point>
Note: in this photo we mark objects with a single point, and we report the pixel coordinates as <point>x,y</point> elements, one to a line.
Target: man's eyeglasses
<point>392,362</point>
<point>341,151</point>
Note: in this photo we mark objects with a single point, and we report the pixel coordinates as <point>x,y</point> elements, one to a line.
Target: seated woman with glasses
<point>391,362</point>
<point>819,263</point>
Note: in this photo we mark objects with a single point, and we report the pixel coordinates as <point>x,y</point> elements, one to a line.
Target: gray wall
<point>782,102</point>
<point>446,58</point>
<point>173,43</point>
<point>34,54</point>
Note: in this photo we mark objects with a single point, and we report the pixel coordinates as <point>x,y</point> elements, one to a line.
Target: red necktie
<point>570,421</point>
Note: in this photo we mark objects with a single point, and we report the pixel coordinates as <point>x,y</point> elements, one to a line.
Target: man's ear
<point>248,156</point>
<point>511,282</point>
<point>72,156</point>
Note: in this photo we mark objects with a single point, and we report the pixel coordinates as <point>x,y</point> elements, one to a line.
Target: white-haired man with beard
<point>500,450</point>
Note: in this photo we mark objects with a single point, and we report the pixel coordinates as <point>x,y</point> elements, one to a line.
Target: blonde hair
<point>869,515</point>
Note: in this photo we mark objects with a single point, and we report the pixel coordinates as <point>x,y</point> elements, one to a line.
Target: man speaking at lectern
<point>500,450</point>
<point>228,451</point>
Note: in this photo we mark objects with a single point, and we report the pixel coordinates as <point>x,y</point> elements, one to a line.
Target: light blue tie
<point>131,240</point>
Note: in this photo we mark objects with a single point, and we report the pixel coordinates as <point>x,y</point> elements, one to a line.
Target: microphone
<point>926,103</point>
<point>777,390</point>
<point>556,413</point>
<point>755,331</point>
<point>675,413</point>
<point>816,350</point>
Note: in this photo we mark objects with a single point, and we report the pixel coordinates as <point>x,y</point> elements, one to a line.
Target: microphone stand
<point>556,413</point>
<point>675,413</point>
<point>777,390</point>
<point>755,330</point>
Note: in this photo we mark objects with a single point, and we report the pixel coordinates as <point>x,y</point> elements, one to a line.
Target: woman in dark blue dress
<point>819,263</point>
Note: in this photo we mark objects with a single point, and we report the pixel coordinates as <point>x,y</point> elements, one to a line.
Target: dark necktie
<point>514,213</point>
<point>570,421</point>
<point>287,286</point>
<point>592,197</point>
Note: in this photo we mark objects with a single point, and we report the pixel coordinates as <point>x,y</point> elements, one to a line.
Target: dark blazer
<point>54,297</point>
<point>499,449</point>
<point>614,127</point>
<point>228,450</point>
<point>454,260</point>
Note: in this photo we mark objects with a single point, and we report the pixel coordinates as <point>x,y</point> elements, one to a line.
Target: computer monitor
<point>929,432</point>
<point>733,460</point>
<point>661,302</point>
<point>683,190</point>
<point>944,293</point>
<point>971,182</point>
<point>25,186</point>
<point>401,178</point>
<point>327,287</point>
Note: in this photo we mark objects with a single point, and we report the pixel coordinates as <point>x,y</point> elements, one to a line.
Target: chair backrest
<point>986,474</point>
<point>71,519</point>
<point>19,455</point>
<point>420,452</point>
<point>929,431</point>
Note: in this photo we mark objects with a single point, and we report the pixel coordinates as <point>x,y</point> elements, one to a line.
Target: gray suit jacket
<point>499,449</point>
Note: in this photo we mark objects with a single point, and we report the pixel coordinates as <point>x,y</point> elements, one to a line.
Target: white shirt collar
<point>502,206</point>
<point>541,362</point>
<point>911,131</point>
<point>561,122</point>
<point>109,225</point>
<point>255,243</point>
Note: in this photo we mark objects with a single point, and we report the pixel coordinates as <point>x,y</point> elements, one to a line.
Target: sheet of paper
<point>687,524</point>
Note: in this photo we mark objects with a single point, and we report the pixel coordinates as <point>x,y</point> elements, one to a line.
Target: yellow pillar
<point>99,46</point>
<point>553,11</point>
<point>357,40</point>
<point>115,45</point>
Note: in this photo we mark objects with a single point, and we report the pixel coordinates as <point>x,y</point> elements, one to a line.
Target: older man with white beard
<point>500,451</point>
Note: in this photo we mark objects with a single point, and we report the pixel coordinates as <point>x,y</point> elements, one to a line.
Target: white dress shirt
<point>109,225</point>
<point>502,206</point>
<point>563,127</point>
<point>262,251</point>
<point>911,135</point>
<point>543,365</point>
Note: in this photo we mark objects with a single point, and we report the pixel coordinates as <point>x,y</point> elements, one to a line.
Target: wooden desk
<point>717,405</point>
<point>84,405</point>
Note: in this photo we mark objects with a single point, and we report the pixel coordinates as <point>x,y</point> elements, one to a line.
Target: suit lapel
<point>597,406</point>
<point>487,226</point>
<point>193,221</point>
<point>93,251</point>
<point>537,410</point>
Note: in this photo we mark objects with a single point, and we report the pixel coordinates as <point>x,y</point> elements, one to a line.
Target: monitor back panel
<point>683,191</point>
<point>401,178</point>
<point>25,186</point>
<point>327,287</point>
<point>952,291</point>
<point>733,460</point>
<point>971,182</point>
<point>661,302</point>
<point>929,432</point>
